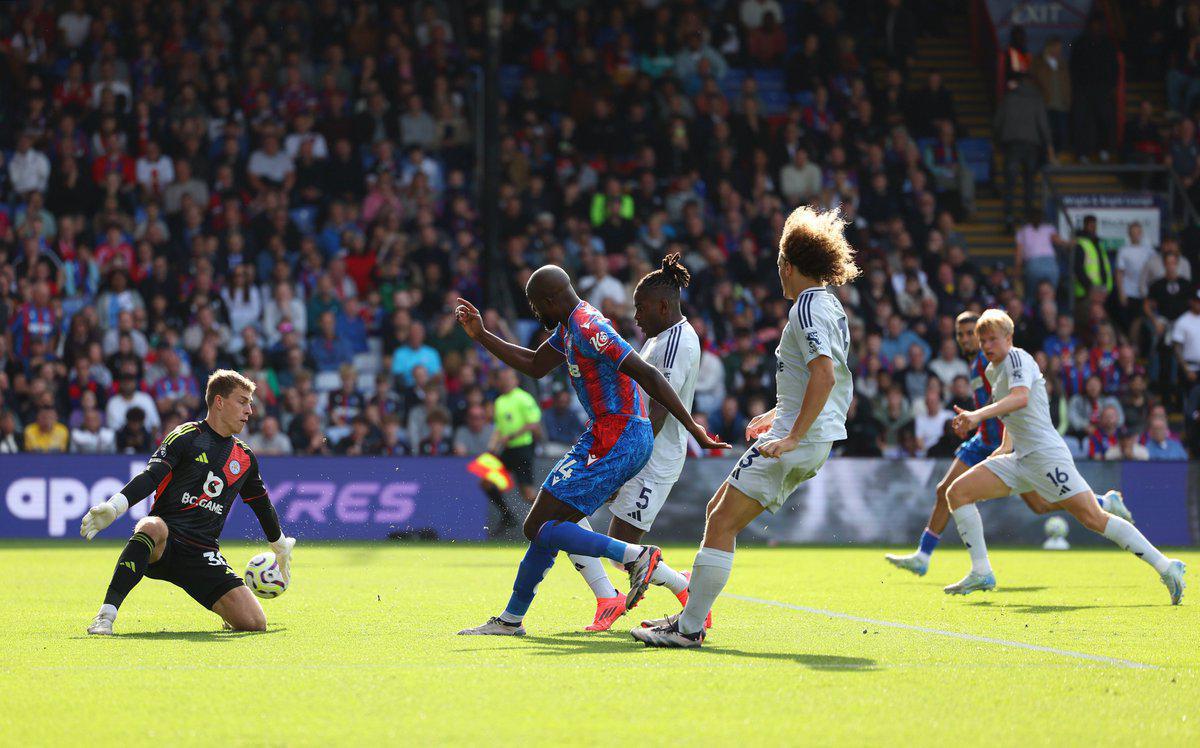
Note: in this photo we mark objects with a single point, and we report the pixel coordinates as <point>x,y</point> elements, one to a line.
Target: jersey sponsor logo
<point>600,340</point>
<point>202,458</point>
<point>191,502</point>
<point>213,485</point>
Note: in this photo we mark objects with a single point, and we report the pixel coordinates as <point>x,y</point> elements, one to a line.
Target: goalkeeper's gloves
<point>102,515</point>
<point>283,555</point>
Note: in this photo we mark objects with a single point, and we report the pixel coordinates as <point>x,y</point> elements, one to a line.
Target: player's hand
<point>705,440</point>
<point>759,425</point>
<point>470,318</point>
<point>283,555</point>
<point>965,422</point>
<point>777,448</point>
<point>98,518</point>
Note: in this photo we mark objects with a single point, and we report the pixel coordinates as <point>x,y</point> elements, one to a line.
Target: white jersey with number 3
<point>676,353</point>
<point>1030,428</point>
<point>816,327</point>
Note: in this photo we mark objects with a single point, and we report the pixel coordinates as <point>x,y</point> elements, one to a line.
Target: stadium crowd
<point>288,188</point>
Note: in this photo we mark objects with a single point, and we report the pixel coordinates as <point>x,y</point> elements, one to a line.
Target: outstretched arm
<point>161,463</point>
<point>536,364</point>
<point>656,386</point>
<point>968,420</point>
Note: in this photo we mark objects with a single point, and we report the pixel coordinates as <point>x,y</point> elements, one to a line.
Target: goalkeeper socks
<point>557,535</point>
<point>710,572</point>
<point>929,541</point>
<point>1128,537</point>
<point>131,567</point>
<point>592,571</point>
<point>970,527</point>
<point>538,560</point>
<point>665,576</point>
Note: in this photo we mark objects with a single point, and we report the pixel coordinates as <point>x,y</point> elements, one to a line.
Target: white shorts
<point>639,501</point>
<point>771,481</point>
<point>1052,475</point>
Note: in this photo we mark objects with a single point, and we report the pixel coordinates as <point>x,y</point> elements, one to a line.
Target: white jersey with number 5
<point>816,327</point>
<point>676,353</point>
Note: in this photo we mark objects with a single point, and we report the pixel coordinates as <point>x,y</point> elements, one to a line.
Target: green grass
<point>362,648</point>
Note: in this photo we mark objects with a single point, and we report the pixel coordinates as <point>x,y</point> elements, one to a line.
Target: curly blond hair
<point>814,242</point>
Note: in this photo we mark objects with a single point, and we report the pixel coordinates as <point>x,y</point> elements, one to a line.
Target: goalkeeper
<point>198,470</point>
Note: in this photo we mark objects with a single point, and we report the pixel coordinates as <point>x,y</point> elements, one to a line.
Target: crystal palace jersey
<point>594,350</point>
<point>207,472</point>
<point>991,431</point>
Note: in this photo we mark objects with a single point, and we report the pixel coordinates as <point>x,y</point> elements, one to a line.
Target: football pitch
<point>810,646</point>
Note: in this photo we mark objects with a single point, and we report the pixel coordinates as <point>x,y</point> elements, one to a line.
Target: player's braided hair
<point>672,275</point>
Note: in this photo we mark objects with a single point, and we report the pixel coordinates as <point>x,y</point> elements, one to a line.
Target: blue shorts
<point>973,451</point>
<point>607,455</point>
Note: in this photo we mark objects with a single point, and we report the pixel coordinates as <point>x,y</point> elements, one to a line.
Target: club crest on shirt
<point>235,467</point>
<point>814,341</point>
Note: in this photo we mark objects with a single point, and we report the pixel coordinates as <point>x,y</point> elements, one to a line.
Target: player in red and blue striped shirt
<point>605,372</point>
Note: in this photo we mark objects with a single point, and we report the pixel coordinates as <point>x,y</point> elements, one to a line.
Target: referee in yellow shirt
<point>518,422</point>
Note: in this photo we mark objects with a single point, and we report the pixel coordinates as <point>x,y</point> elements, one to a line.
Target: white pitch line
<point>1116,661</point>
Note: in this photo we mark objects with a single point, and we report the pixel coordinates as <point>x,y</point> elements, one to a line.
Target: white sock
<point>592,571</point>
<point>510,618</point>
<point>970,527</point>
<point>1128,537</point>
<point>710,572</point>
<point>665,576</point>
<point>632,552</point>
<point>109,611</point>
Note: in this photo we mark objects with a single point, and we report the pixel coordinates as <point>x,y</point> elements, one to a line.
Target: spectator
<point>92,436</point>
<point>1036,259</point>
<point>1103,433</point>
<point>46,434</point>
<point>474,436</point>
<point>175,388</point>
<point>1021,128</point>
<point>1170,295</point>
<point>1160,445</point>
<point>329,352</point>
<point>1053,78</point>
<point>800,179</point>
<point>1088,409</point>
<point>1131,261</point>
<point>561,424</point>
<point>1089,262</point>
<point>949,363</point>
<point>415,352</point>
<point>950,170</point>
<point>1017,61</point>
<point>1185,335</point>
<point>271,167</point>
<point>126,398</point>
<point>28,168</point>
<point>930,418</point>
<point>269,440</point>
<point>437,443</point>
<point>1127,448</point>
<point>133,437</point>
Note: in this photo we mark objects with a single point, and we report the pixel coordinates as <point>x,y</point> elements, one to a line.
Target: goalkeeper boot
<point>972,582</point>
<point>683,598</point>
<point>668,636</point>
<point>495,627</point>
<point>640,571</point>
<point>608,610</point>
<point>1173,579</point>
<point>913,562</point>
<point>1116,506</point>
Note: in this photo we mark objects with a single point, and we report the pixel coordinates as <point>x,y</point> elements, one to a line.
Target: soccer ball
<point>264,577</point>
<point>1056,527</point>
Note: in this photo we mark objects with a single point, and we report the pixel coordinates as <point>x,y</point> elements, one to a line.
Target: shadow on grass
<point>1025,608</point>
<point>191,636</point>
<point>577,642</point>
